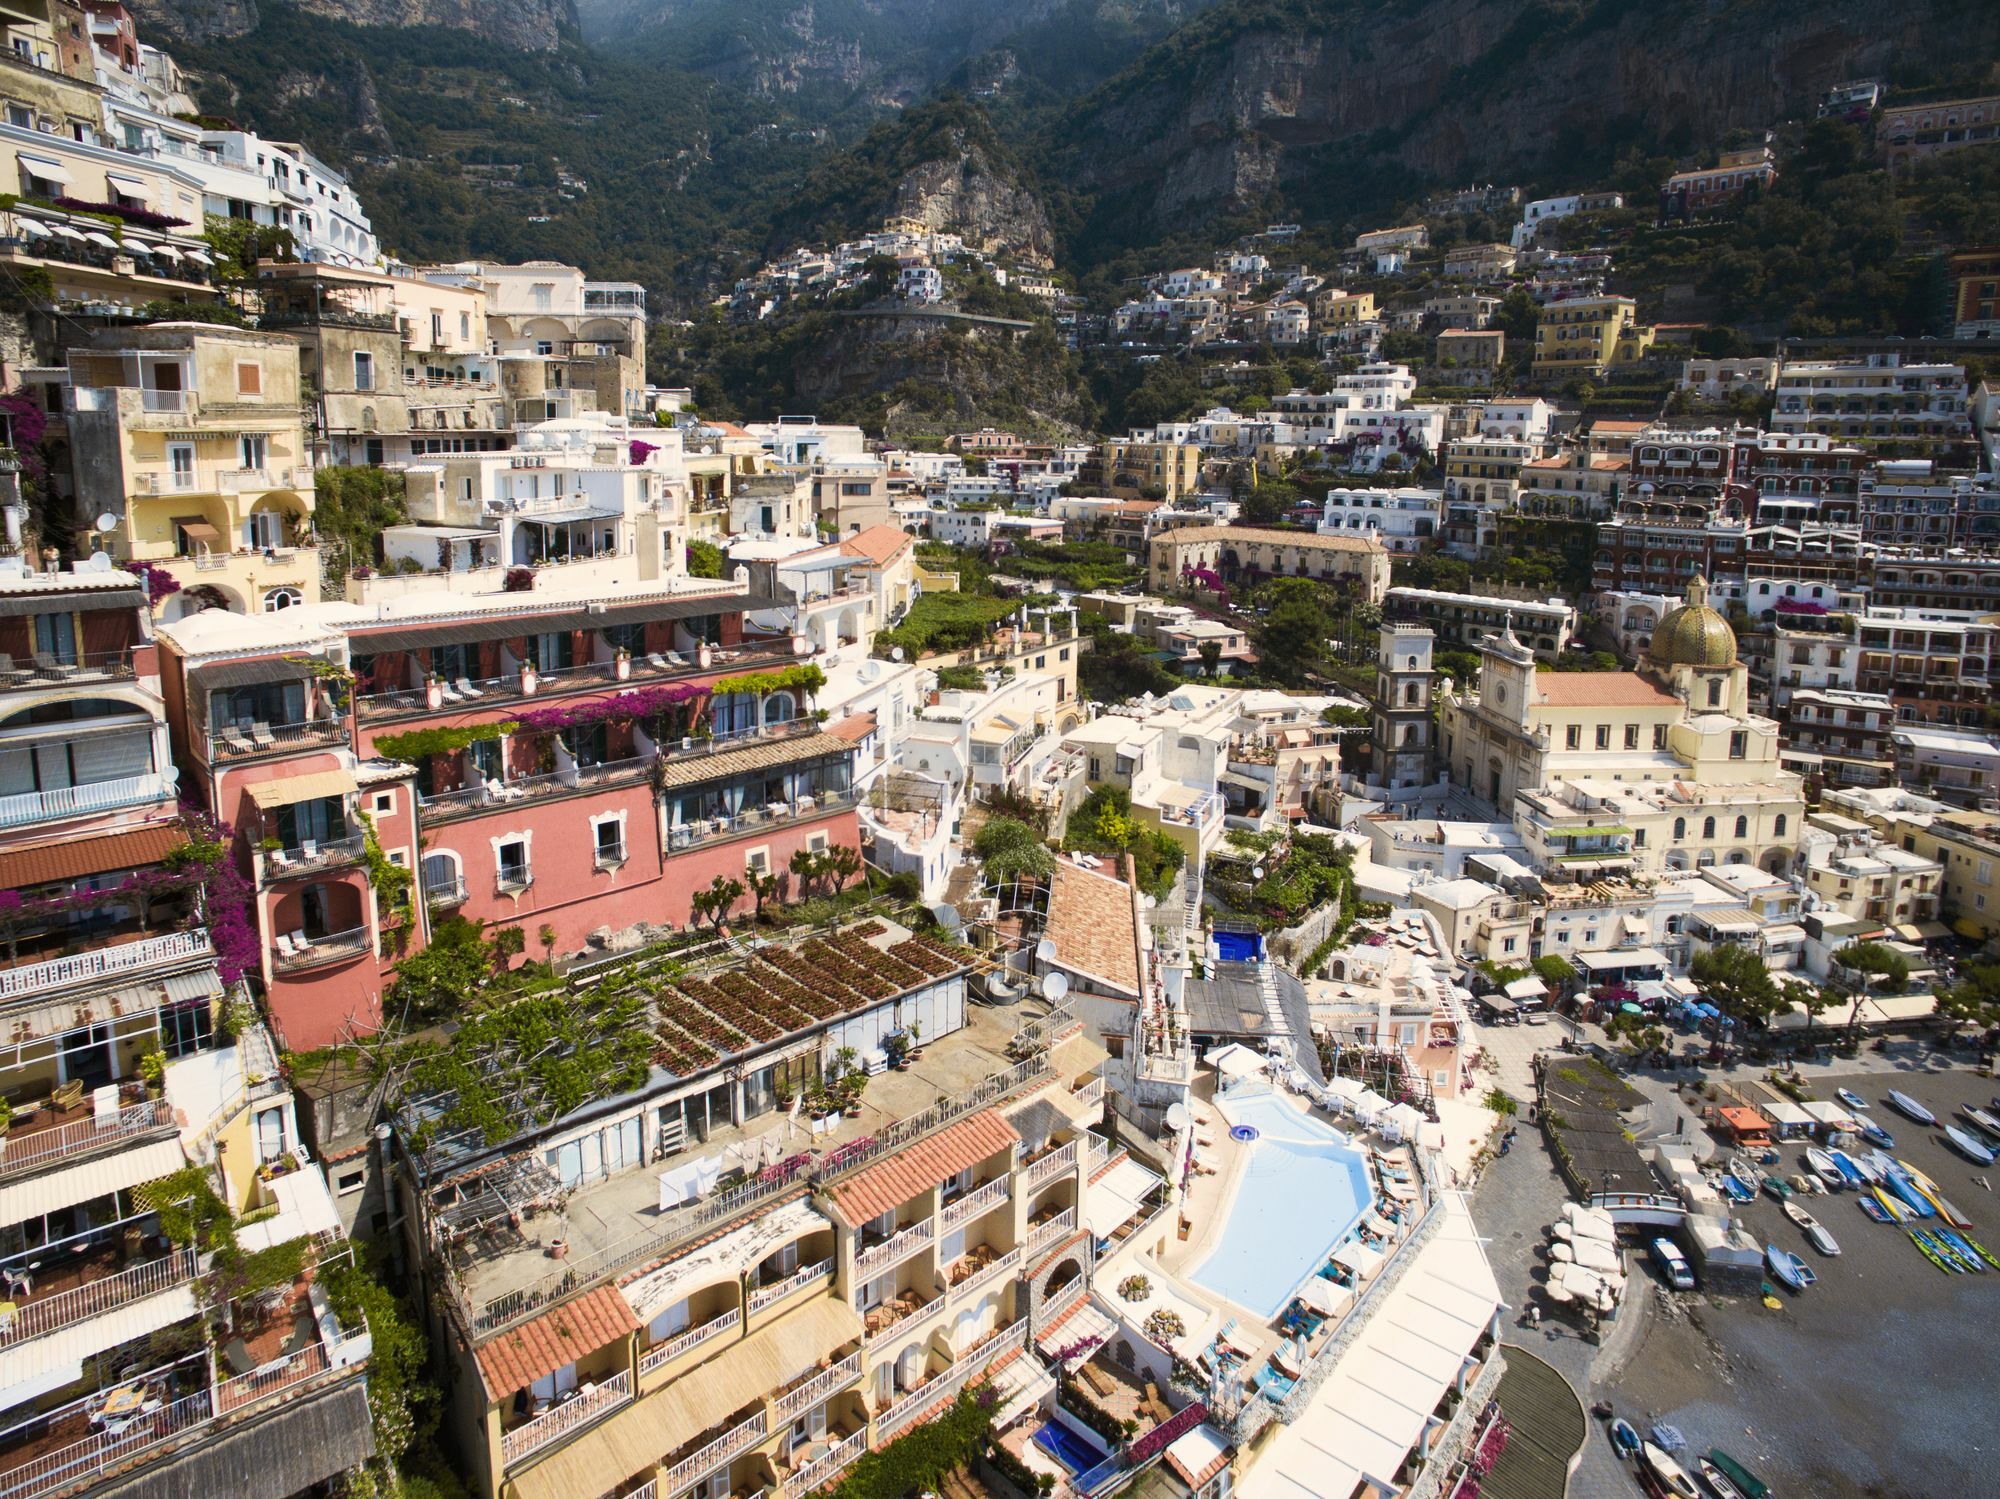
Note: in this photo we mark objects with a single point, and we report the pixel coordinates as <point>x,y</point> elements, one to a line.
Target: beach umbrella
<point>1629,1008</point>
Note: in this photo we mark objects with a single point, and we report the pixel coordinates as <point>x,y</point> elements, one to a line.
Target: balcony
<point>317,952</point>
<point>1054,1231</point>
<point>822,1470</point>
<point>894,1250</point>
<point>164,400</point>
<point>800,1398</point>
<point>46,669</point>
<point>692,1470</point>
<point>311,857</point>
<point>941,1387</point>
<point>974,1203</point>
<point>649,666</point>
<point>50,1136</point>
<point>256,480</point>
<point>81,969</point>
<point>710,830</point>
<point>685,1342</point>
<point>587,1404</point>
<point>54,1306</point>
<point>450,892</point>
<point>978,1269</point>
<point>1058,1161</point>
<point>29,807</point>
<point>883,1321</point>
<point>806,1275</point>
<point>247,741</point>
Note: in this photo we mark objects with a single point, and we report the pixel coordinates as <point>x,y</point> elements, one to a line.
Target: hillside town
<point>1054,934</point>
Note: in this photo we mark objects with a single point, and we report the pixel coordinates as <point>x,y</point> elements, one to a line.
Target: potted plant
<point>6,1117</point>
<point>896,1046</point>
<point>153,1072</point>
<point>916,1031</point>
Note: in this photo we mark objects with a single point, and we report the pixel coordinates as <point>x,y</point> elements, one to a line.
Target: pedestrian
<point>1535,1315</point>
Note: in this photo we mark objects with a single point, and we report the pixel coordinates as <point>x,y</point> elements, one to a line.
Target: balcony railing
<point>335,947</point>
<point>94,1298</point>
<point>798,1280</point>
<point>1055,1230</point>
<point>690,1471</point>
<point>243,741</point>
<point>23,1152</point>
<point>943,1386</point>
<point>46,669</point>
<point>821,1471</point>
<point>104,962</point>
<point>794,1402</point>
<point>449,892</point>
<point>163,400</point>
<point>1057,1161</point>
<point>985,1275</point>
<point>570,1416</point>
<point>282,863</point>
<point>1091,1092</point>
<point>473,799</point>
<point>81,801</point>
<point>242,480</point>
<point>693,1337</point>
<point>974,1203</point>
<point>687,835</point>
<point>894,1250</point>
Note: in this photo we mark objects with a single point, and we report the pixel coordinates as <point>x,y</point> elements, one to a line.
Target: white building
<point>1880,397</point>
<point>1405,519</point>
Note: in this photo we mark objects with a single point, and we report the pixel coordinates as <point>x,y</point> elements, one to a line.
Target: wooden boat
<point>1624,1438</point>
<point>1744,1168</point>
<point>1849,1097</point>
<point>1792,1272</point>
<point>1718,1485</point>
<point>1923,1243</point>
<point>1776,1189</point>
<point>1875,1135</point>
<point>1873,1209</point>
<point>1963,1142</point>
<point>1984,1122</point>
<point>1816,1234</point>
<point>1747,1483</point>
<point>1825,1168</point>
<point>1909,1108</point>
<point>1672,1476</point>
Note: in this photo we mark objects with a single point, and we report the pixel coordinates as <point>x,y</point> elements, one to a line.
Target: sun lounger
<point>677,658</point>
<point>299,939</point>
<point>466,689</point>
<point>285,947</point>
<point>237,740</point>
<point>261,732</point>
<point>449,693</point>
<point>655,660</point>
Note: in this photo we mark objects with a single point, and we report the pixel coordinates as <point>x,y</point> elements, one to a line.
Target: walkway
<point>1546,1427</point>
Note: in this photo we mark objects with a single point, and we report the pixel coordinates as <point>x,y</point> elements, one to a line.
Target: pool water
<point>1301,1192</point>
<point>1067,1448</point>
<point>1239,947</point>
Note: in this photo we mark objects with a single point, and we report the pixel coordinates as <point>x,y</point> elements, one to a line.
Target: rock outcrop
<point>531,25</point>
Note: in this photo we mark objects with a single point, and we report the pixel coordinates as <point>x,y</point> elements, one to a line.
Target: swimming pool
<point>1302,1190</point>
<point>1239,947</point>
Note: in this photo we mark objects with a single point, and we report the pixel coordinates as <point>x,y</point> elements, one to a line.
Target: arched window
<point>442,879</point>
<point>282,598</point>
<point>1708,827</point>
<point>1778,825</point>
<point>779,708</point>
<point>1742,827</point>
<point>1680,828</point>
<point>1409,692</point>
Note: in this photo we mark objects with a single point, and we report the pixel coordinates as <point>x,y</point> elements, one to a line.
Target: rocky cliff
<point>1313,105</point>
<point>531,25</point>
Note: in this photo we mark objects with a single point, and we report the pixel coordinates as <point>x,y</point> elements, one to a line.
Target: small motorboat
<point>1826,1168</point>
<point>1748,1484</point>
<point>1775,1187</point>
<point>1745,1168</point>
<point>1849,1097</point>
<point>1791,1272</point>
<point>1873,1209</point>
<point>1736,1191</point>
<point>1982,1121</point>
<point>1877,1136</point>
<point>1963,1142</point>
<point>1624,1438</point>
<point>1816,1234</point>
<point>1718,1485</point>
<point>1672,1476</point>
<point>1909,1108</point>
<point>1858,1175</point>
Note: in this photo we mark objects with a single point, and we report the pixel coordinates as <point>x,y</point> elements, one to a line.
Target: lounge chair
<point>261,732</point>
<point>308,849</point>
<point>466,689</point>
<point>677,658</point>
<point>655,660</point>
<point>237,740</point>
<point>238,1356</point>
<point>9,672</point>
<point>448,692</point>
<point>300,940</point>
<point>285,947</point>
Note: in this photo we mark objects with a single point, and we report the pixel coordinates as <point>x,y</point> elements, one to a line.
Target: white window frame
<point>596,849</point>
<point>384,804</point>
<point>526,838</point>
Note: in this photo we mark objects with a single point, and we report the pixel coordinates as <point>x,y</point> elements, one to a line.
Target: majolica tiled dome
<point>1694,634</point>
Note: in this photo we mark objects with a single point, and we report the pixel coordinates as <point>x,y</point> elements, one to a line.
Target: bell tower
<point>1404,735</point>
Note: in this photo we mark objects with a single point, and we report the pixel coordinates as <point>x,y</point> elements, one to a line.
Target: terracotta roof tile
<point>697,770</point>
<point>920,1166</point>
<point>71,858</point>
<point>1092,925</point>
<point>1599,689</point>
<point>561,1335</point>
<point>881,545</point>
<point>854,728</point>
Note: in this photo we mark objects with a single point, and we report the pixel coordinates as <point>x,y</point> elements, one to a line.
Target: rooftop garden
<point>943,622</point>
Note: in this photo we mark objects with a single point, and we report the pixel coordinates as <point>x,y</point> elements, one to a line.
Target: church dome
<point>1693,634</point>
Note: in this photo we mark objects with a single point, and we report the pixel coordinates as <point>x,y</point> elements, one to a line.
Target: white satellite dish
<point>1045,951</point>
<point>896,653</point>
<point>107,522</point>
<point>1055,987</point>
<point>1177,1116</point>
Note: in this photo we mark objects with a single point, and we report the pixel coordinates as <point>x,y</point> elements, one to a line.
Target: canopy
<point>1235,1060</point>
<point>1359,1258</point>
<point>1404,1119</point>
<point>1612,962</point>
<point>1115,1199</point>
<point>1527,988</point>
<point>1629,1008</point>
<point>1577,1212</point>
<point>310,787</point>
<point>1322,1295</point>
<point>1369,1103</point>
<point>1430,1136</point>
<point>1593,1254</point>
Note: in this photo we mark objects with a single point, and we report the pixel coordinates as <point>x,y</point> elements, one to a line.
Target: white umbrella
<point>1593,1255</point>
<point>1556,1291</point>
<point>1322,1295</point>
<point>1369,1103</point>
<point>1235,1061</point>
<point>1405,1118</point>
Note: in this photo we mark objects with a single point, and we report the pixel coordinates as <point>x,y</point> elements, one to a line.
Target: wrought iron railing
<point>24,1152</point>
<point>684,1342</point>
<point>570,1416</point>
<point>94,1298</point>
<point>835,1377</point>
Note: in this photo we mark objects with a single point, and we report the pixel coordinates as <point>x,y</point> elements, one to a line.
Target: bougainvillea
<point>627,707</point>
<point>160,584</point>
<point>641,451</point>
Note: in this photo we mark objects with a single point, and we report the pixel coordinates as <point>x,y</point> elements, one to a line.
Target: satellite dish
<point>1177,1116</point>
<point>1045,951</point>
<point>870,670</point>
<point>1055,987</point>
<point>106,521</point>
<point>896,653</point>
<point>946,915</point>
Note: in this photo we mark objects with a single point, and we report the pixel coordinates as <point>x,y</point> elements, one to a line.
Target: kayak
<point>1923,1243</point>
<point>1898,1210</point>
<point>1872,1208</point>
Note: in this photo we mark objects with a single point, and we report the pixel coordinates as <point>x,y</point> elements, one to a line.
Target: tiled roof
<point>71,858</point>
<point>698,770</point>
<point>561,1335</point>
<point>1599,689</point>
<point>1092,926</point>
<point>881,545</point>
<point>917,1168</point>
<point>1311,541</point>
<point>854,728</point>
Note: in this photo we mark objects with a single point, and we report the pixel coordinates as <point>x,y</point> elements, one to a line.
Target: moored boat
<point>1983,1121</point>
<point>1875,1135</point>
<point>1750,1485</point>
<point>1718,1485</point>
<point>1825,1168</point>
<point>1963,1142</point>
<point>1909,1108</point>
<point>1624,1437</point>
<point>1873,1209</point>
<point>1858,1175</point>
<point>1672,1476</point>
<point>1790,1271</point>
<point>1933,1195</point>
<point>1849,1097</point>
<point>1776,1188</point>
<point>1898,1210</point>
<point>1815,1232</point>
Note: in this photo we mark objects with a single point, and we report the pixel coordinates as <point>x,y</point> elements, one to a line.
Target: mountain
<point>532,25</point>
<point>1324,110</point>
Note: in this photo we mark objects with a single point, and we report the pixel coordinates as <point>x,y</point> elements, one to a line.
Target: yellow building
<point>189,448</point>
<point>1132,469</point>
<point>1342,309</point>
<point>1228,550</point>
<point>1590,335</point>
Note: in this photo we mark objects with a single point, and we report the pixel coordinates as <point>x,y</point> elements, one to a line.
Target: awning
<point>100,239</point>
<point>71,858</point>
<point>1527,988</point>
<point>568,517</point>
<point>200,255</point>
<point>87,1338</point>
<point>132,187</point>
<point>776,754</point>
<point>1923,931</point>
<point>1115,1197</point>
<point>287,790</point>
<point>250,673</point>
<point>123,1009</point>
<point>639,1435</point>
<point>45,167</point>
<point>198,529</point>
<point>1612,962</point>
<point>305,1207</point>
<point>33,228</point>
<point>161,252</point>
<point>89,1180</point>
<point>1235,1061</point>
<point>1499,1004</point>
<point>41,603</point>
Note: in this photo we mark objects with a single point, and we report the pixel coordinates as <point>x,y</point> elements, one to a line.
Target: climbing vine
<point>391,882</point>
<point>421,744</point>
<point>805,677</point>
